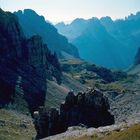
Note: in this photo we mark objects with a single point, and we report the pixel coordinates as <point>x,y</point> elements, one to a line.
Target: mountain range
<point>105,42</point>
<point>33,24</point>
<point>39,90</point>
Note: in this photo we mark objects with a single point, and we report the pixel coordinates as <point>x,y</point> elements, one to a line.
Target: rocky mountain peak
<point>24,61</point>
<point>11,35</point>
<point>33,24</point>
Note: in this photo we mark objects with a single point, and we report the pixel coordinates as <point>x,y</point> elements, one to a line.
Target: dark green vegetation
<point>105,42</point>
<point>85,72</point>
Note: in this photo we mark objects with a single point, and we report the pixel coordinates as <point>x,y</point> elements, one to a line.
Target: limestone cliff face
<point>24,62</point>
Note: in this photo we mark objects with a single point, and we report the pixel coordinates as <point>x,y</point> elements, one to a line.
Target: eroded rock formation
<point>89,109</point>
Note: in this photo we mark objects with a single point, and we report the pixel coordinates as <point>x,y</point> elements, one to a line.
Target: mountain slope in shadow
<point>33,24</point>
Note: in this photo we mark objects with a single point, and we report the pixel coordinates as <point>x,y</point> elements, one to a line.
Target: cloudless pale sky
<point>67,10</point>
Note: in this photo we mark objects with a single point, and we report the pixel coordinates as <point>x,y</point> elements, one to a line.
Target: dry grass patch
<point>132,133</point>
<point>15,126</point>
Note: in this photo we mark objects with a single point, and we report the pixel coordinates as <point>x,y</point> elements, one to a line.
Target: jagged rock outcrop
<point>26,62</point>
<point>89,109</point>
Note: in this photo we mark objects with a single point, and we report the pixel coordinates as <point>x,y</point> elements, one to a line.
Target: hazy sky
<point>66,10</point>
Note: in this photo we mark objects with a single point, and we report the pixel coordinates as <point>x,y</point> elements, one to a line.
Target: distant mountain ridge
<point>105,42</point>
<point>33,24</point>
